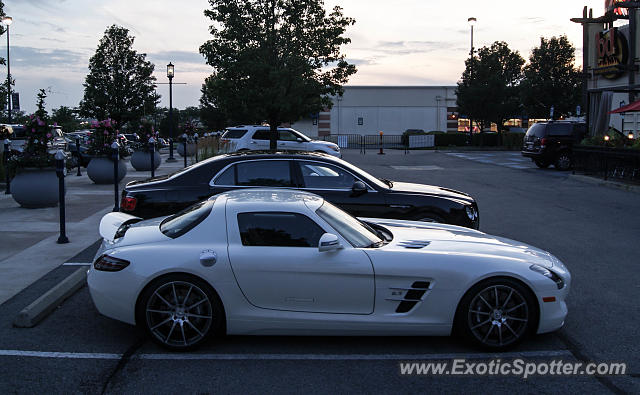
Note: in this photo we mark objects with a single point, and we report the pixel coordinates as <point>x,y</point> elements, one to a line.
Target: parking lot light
<point>606,137</point>
<point>630,136</point>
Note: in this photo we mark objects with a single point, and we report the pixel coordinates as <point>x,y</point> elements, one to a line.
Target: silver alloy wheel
<point>498,315</point>
<point>179,313</point>
<point>563,162</point>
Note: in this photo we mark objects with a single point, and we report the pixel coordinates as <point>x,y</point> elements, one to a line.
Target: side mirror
<point>358,188</point>
<point>329,242</point>
<point>299,139</point>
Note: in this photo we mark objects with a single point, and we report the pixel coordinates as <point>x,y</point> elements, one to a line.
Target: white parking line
<point>288,357</point>
<point>76,264</point>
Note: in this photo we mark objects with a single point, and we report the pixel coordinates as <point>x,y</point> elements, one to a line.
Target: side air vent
<point>414,243</point>
<point>411,297</point>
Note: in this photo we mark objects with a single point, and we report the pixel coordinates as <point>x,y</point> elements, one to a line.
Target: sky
<point>400,42</point>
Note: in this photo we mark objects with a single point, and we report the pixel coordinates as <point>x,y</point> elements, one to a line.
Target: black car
<point>337,181</point>
<point>549,143</point>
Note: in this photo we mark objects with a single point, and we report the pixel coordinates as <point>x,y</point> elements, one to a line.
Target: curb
<point>31,315</point>
<point>605,183</point>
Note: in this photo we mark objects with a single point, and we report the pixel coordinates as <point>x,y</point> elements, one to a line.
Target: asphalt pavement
<point>592,229</point>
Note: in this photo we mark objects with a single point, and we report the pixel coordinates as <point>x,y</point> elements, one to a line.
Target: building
<point>610,49</point>
<point>390,109</point>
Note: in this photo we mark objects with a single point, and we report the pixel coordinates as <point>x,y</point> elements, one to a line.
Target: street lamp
<point>7,20</point>
<point>472,21</point>
<point>170,74</point>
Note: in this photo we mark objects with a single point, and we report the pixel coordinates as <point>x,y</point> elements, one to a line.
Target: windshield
<point>300,135</point>
<point>356,233</point>
<point>187,219</point>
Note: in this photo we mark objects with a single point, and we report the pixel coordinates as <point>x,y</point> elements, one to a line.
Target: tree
<point>488,91</point>
<point>40,104</point>
<point>3,61</point>
<point>66,118</point>
<point>551,79</point>
<point>274,60</point>
<point>120,81</point>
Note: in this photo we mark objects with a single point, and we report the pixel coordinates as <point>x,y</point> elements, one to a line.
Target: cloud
<point>48,25</point>
<point>406,47</point>
<point>30,57</point>
<point>360,62</point>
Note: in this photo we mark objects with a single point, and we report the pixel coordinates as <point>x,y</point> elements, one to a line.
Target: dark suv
<point>549,143</point>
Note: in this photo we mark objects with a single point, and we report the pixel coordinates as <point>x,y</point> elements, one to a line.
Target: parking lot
<point>594,230</point>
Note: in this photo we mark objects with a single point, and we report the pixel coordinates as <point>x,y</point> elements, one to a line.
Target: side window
<point>228,177</point>
<point>560,129</point>
<point>266,173</point>
<point>261,134</point>
<point>325,176</point>
<point>286,135</point>
<point>278,229</point>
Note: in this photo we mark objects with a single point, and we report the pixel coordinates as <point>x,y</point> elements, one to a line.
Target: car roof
<point>271,199</point>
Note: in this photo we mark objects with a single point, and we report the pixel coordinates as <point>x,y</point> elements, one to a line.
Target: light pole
<point>7,20</point>
<point>170,74</point>
<point>471,21</point>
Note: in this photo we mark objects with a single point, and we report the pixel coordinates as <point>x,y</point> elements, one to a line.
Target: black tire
<point>563,161</point>
<point>477,319</point>
<point>192,309</point>
<point>541,164</point>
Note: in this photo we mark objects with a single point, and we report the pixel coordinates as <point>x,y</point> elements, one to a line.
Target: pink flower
<point>33,130</point>
<point>94,124</point>
<point>48,135</point>
<point>40,122</point>
<point>107,123</point>
<point>106,132</point>
<point>106,145</point>
<point>55,124</point>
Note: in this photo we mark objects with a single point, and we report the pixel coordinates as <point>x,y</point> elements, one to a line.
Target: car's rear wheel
<point>179,311</point>
<point>541,164</point>
<point>497,314</point>
<point>563,161</point>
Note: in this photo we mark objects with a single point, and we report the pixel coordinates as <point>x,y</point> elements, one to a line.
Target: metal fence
<point>366,142</point>
<point>616,163</point>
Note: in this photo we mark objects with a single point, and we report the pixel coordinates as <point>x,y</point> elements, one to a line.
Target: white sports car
<point>283,262</point>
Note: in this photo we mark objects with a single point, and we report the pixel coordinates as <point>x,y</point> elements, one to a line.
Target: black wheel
<point>179,312</point>
<point>563,161</point>
<point>541,164</point>
<point>497,314</point>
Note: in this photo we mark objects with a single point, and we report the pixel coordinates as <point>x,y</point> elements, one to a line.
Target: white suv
<point>255,137</point>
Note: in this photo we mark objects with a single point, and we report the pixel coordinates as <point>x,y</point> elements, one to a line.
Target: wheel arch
<point>161,276</point>
<point>524,284</point>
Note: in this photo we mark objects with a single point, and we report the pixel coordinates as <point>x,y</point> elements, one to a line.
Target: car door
<point>259,140</point>
<point>335,184</point>
<point>254,173</point>
<point>275,260</point>
<point>288,141</point>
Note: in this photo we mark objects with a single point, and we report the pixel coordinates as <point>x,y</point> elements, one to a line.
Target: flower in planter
<point>104,134</point>
<point>36,149</point>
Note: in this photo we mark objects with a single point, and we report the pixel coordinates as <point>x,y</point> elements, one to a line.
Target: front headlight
<point>549,274</point>
<point>335,148</point>
<point>472,213</point>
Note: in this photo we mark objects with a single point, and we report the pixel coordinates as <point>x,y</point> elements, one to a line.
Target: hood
<point>455,240</point>
<point>408,187</point>
<point>327,143</point>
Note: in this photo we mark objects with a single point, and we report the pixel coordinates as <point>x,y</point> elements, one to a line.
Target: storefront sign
<point>612,53</point>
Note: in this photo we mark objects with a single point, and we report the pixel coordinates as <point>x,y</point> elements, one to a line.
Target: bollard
<point>152,153</point>
<point>184,145</point>
<point>195,136</point>
<point>115,154</point>
<point>171,158</point>
<point>78,155</point>
<point>381,151</point>
<point>5,159</point>
<point>60,171</point>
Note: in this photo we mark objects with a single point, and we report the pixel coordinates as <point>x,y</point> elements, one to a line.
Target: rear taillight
<point>543,142</point>
<point>108,263</point>
<point>128,203</point>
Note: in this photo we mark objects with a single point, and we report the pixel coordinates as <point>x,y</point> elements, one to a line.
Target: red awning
<point>633,107</point>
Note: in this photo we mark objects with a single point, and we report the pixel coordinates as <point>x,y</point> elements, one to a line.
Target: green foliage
<point>274,60</point>
<point>120,82</point>
<point>104,134</point>
<point>36,149</point>
<point>40,104</point>
<point>66,118</point>
<point>488,91</point>
<point>551,79</point>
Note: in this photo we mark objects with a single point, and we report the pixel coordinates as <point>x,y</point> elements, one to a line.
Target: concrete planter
<point>35,188</point>
<point>191,149</point>
<point>141,160</point>
<point>100,170</point>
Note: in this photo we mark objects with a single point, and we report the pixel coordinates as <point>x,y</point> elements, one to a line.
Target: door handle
<point>208,258</point>
<point>253,142</point>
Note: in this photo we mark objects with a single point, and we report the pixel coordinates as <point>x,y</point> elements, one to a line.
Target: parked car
<point>341,183</point>
<point>83,156</point>
<point>18,137</point>
<point>552,142</point>
<point>284,262</point>
<point>254,137</point>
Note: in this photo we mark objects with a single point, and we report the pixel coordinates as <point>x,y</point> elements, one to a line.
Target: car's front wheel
<point>563,161</point>
<point>497,314</point>
<point>179,311</point>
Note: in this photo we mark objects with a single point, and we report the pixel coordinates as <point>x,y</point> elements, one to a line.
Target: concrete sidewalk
<point>28,249</point>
